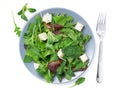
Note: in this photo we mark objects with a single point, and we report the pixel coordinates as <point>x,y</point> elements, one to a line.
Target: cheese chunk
<point>79,26</point>
<point>84,57</point>
<point>43,36</point>
<point>60,54</point>
<point>47,18</point>
<point>36,65</point>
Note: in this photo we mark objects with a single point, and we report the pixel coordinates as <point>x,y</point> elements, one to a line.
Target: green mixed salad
<point>57,45</point>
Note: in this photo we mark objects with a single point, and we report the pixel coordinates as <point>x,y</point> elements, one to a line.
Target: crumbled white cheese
<point>43,36</point>
<point>47,18</point>
<point>36,65</point>
<point>79,26</point>
<point>60,54</point>
<point>84,57</point>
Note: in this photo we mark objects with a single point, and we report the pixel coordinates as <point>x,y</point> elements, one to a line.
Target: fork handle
<point>99,76</point>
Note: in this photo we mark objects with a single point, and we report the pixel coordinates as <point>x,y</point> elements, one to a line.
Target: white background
<point>15,76</point>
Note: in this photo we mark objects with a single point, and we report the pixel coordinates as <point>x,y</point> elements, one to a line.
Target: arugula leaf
<point>23,11</point>
<point>79,81</point>
<point>17,29</point>
<point>31,10</point>
<point>24,17</point>
<point>20,12</point>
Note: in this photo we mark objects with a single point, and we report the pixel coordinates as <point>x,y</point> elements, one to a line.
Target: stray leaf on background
<point>17,29</point>
<point>79,81</point>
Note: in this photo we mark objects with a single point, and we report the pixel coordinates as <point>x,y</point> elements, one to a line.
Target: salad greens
<point>71,41</point>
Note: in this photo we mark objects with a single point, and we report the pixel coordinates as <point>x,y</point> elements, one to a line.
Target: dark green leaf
<point>72,51</point>
<point>80,81</point>
<point>24,17</point>
<point>27,59</point>
<point>31,10</point>
<point>20,12</point>
<point>60,77</point>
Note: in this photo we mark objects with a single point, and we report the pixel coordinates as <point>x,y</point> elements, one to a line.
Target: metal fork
<point>100,29</point>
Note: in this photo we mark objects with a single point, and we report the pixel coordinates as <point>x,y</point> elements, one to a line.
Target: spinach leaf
<point>72,51</point>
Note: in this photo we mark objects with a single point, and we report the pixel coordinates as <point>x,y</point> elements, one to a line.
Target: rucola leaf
<point>31,10</point>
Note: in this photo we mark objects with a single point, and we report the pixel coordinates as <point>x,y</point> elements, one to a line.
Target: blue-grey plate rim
<point>90,47</point>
